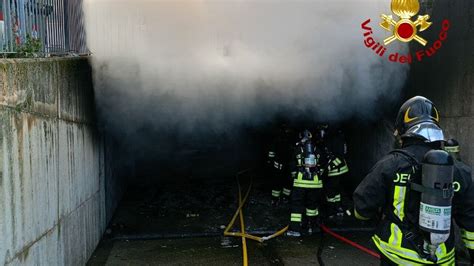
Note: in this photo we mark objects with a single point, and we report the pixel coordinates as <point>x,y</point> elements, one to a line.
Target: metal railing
<point>42,27</point>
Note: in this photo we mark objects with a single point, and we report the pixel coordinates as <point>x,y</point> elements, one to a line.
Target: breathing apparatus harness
<point>309,159</point>
<point>434,223</point>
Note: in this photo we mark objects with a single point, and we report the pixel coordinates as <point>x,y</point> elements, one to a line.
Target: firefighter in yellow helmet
<point>418,189</point>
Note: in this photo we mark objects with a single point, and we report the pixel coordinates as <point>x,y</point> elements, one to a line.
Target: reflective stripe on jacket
<point>302,182</point>
<point>337,167</point>
<point>401,251</point>
<point>387,186</point>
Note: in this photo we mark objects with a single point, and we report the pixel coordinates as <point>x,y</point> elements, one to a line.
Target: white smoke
<point>214,65</point>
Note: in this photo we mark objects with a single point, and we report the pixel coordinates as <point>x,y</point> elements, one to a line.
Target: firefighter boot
<point>295,225</point>
<point>285,198</point>
<point>276,197</point>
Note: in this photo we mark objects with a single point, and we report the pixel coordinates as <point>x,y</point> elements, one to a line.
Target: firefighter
<point>406,179</point>
<point>337,169</point>
<point>452,147</point>
<point>307,185</point>
<point>279,156</point>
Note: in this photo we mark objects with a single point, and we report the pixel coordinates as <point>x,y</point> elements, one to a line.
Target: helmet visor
<point>429,131</point>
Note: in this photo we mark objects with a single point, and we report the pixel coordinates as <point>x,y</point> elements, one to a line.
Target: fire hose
<point>239,213</point>
<point>349,242</point>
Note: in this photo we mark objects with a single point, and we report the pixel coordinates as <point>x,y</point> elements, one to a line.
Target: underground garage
<point>154,147</point>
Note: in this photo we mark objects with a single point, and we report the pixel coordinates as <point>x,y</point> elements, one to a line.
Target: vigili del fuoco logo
<point>405,29</point>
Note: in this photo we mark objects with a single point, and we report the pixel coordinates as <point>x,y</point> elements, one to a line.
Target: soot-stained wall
<point>58,185</point>
<point>447,78</point>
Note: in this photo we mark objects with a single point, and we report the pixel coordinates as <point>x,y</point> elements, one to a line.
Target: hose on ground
<point>349,242</point>
<point>239,213</point>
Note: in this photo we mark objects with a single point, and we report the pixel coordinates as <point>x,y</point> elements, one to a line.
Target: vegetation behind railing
<point>41,28</point>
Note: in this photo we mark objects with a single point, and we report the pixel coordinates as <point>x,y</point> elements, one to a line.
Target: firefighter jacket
<point>336,152</point>
<point>312,178</point>
<point>387,187</point>
<point>280,150</point>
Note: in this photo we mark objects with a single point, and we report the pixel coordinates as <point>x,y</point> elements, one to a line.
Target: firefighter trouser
<point>332,184</point>
<point>305,200</point>
<point>304,207</point>
<point>281,180</point>
<point>332,189</point>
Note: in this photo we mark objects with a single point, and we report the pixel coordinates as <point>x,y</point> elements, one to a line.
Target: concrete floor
<point>175,212</point>
<point>198,207</point>
<point>159,225</point>
<point>223,251</point>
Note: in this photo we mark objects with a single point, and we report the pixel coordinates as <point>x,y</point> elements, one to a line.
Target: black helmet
<point>418,117</point>
<point>322,126</point>
<point>451,146</point>
<point>305,135</point>
<point>321,132</point>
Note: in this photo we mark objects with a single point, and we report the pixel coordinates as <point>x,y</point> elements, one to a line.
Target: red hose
<point>347,241</point>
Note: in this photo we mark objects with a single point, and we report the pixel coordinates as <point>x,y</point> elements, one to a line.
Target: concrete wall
<point>367,143</point>
<point>448,77</point>
<point>118,171</point>
<point>52,162</point>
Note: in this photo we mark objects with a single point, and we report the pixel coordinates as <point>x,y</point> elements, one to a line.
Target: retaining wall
<point>53,163</point>
<point>448,77</point>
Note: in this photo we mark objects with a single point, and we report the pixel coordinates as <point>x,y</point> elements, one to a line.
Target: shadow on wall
<point>367,144</point>
<point>447,78</point>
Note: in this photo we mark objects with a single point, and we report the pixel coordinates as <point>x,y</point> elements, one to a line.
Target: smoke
<point>196,66</point>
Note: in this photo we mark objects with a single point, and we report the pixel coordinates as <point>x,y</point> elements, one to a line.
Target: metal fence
<point>44,27</point>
